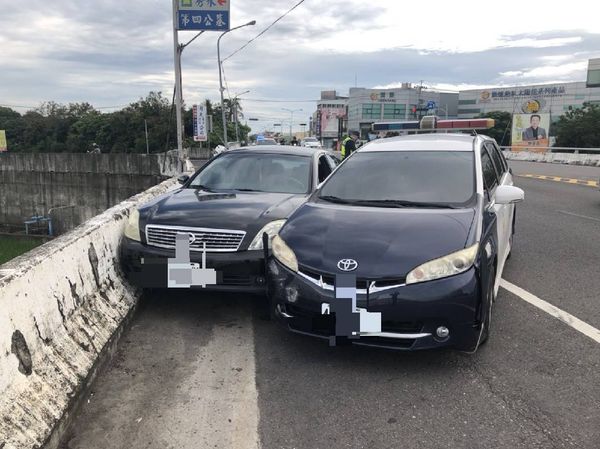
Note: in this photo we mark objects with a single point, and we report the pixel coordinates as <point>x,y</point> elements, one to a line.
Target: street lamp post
<point>178,50</point>
<point>221,88</point>
<point>291,111</point>
<point>443,109</point>
<point>237,127</point>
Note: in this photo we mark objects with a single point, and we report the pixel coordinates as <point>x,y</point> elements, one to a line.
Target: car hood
<point>244,211</point>
<point>386,242</point>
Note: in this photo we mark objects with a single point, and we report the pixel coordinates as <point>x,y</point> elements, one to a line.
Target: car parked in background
<point>266,142</point>
<point>227,205</point>
<point>425,225</point>
<point>311,142</point>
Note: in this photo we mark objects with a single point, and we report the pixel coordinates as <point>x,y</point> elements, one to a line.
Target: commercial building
<point>368,106</point>
<point>551,99</point>
<point>328,122</point>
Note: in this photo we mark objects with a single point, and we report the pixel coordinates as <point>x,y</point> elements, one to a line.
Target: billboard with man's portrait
<point>530,132</point>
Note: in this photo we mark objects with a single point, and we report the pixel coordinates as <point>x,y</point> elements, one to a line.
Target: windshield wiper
<point>335,199</point>
<point>201,187</point>
<point>248,190</point>
<point>404,203</point>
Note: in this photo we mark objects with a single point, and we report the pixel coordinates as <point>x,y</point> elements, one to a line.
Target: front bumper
<point>410,314</point>
<point>242,271</point>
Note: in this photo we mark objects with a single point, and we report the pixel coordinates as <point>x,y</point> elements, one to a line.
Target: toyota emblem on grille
<point>192,238</point>
<point>347,264</point>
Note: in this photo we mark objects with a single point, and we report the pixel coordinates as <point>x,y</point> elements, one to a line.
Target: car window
<point>446,177</point>
<point>324,168</point>
<point>333,162</point>
<point>496,158</point>
<point>489,172</point>
<point>279,173</point>
<point>504,162</point>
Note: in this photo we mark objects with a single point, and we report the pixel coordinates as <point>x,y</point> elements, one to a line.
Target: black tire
<point>489,305</point>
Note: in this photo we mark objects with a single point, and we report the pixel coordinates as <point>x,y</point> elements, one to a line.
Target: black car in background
<point>228,204</point>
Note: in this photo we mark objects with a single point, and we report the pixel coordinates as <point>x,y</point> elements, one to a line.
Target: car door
<point>506,211</point>
<point>492,181</point>
<point>324,168</point>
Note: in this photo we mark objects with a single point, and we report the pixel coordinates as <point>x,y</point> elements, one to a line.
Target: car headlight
<point>271,229</point>
<point>284,254</point>
<point>132,228</point>
<point>449,265</point>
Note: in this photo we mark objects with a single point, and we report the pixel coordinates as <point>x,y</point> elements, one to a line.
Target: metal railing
<point>557,149</point>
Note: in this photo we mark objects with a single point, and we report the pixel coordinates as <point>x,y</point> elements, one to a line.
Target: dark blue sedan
<point>424,225</point>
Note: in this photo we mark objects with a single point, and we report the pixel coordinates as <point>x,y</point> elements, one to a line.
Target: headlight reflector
<point>284,254</point>
<point>132,228</point>
<point>449,265</point>
<point>271,229</point>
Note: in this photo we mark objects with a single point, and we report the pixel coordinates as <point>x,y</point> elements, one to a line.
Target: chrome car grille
<point>217,240</point>
<point>363,286</point>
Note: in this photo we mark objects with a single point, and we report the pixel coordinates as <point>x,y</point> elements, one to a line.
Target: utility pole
<point>221,88</point>
<point>237,128</point>
<point>419,100</point>
<point>178,101</point>
<point>147,144</point>
<point>291,111</point>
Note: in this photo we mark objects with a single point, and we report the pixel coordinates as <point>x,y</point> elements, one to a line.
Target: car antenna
<point>475,133</point>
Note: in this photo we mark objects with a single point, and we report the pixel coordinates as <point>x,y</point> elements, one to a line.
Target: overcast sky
<point>112,52</point>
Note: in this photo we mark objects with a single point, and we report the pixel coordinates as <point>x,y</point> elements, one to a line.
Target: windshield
<point>277,173</point>
<point>310,139</point>
<point>397,179</point>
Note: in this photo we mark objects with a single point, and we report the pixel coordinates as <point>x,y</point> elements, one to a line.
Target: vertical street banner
<point>203,15</point>
<point>3,144</point>
<point>200,123</point>
<point>530,132</point>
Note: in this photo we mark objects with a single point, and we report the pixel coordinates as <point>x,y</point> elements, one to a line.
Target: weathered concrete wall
<point>556,158</point>
<point>61,305</point>
<point>72,188</point>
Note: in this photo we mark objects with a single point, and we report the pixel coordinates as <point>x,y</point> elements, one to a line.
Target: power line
<point>17,106</point>
<point>265,30</point>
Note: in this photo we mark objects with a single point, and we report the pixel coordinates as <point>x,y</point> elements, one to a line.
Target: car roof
<point>423,142</point>
<point>277,149</point>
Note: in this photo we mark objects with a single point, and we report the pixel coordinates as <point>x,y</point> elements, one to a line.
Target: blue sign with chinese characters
<point>204,20</point>
<point>203,15</point>
<point>431,104</point>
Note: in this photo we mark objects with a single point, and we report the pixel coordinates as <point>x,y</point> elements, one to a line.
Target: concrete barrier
<point>62,307</point>
<point>555,158</point>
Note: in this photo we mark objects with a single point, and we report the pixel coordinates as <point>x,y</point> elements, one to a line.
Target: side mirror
<point>509,195</point>
<point>183,179</point>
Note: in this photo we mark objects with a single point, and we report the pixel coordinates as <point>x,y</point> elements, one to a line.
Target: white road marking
<point>577,215</point>
<point>563,316</point>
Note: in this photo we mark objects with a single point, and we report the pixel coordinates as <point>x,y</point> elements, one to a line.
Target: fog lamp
<point>442,332</point>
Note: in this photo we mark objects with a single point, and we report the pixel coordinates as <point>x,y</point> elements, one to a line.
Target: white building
<point>554,99</point>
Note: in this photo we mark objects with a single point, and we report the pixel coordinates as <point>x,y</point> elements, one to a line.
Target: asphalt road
<point>200,372</point>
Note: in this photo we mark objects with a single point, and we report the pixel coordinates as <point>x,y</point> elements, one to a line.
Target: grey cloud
<point>122,50</point>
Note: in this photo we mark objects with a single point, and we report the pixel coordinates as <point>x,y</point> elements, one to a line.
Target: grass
<point>11,247</point>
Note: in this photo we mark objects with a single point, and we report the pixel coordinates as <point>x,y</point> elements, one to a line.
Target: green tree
<point>501,131</point>
<point>579,128</point>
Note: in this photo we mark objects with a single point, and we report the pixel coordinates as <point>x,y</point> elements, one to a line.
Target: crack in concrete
<point>78,299</point>
<point>46,341</point>
<point>556,443</point>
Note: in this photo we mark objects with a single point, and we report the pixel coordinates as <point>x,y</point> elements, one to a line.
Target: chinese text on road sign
<point>208,15</point>
<point>200,123</point>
